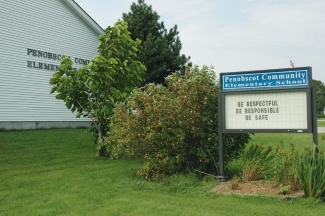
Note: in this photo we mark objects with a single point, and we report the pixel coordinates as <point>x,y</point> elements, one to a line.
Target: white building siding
<point>44,25</point>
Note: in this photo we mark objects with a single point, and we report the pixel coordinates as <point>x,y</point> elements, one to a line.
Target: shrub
<point>257,162</point>
<point>320,115</point>
<point>174,128</point>
<point>311,171</point>
<point>285,172</point>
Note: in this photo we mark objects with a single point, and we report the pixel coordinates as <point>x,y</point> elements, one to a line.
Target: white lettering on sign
<point>260,80</point>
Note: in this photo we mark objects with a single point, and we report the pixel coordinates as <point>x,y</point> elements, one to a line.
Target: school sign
<point>267,101</point>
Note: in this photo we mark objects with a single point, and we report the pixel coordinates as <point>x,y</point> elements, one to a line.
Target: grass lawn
<point>55,172</point>
<point>321,123</point>
<point>300,141</point>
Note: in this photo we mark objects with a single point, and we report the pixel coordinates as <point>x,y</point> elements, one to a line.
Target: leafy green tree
<point>320,94</point>
<point>93,90</point>
<point>160,48</point>
<point>175,128</point>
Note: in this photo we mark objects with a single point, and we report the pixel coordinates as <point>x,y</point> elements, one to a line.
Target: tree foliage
<point>320,94</point>
<point>160,48</point>
<point>174,128</point>
<point>93,90</point>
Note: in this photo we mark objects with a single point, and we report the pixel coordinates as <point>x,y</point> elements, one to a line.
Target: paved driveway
<point>321,129</point>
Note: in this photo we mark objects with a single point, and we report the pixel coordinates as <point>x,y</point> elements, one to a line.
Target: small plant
<point>311,166</point>
<point>234,186</point>
<point>235,183</point>
<point>285,189</point>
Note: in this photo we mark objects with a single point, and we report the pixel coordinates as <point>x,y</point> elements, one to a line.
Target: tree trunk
<point>99,141</point>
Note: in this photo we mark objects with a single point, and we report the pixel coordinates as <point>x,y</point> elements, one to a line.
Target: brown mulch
<point>254,188</point>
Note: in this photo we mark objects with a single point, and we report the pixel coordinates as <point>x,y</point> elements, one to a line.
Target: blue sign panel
<point>286,78</point>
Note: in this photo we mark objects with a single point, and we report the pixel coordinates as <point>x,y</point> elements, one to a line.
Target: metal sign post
<point>221,164</point>
<point>315,131</point>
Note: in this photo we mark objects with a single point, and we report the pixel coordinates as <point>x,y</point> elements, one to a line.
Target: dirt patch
<point>254,188</point>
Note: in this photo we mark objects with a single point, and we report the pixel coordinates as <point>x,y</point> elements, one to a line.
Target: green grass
<point>55,172</point>
<point>321,123</point>
<point>300,141</point>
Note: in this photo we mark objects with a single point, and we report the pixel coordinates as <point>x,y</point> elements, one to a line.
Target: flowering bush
<point>285,164</point>
<point>173,128</point>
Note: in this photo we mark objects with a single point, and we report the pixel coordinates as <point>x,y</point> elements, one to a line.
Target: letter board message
<point>272,110</point>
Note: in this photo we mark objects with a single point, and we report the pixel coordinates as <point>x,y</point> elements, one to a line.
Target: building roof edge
<point>84,16</point>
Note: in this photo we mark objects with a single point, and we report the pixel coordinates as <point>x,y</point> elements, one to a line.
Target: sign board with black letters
<point>266,101</point>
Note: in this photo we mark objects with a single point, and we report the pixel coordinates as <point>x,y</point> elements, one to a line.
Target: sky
<point>236,35</point>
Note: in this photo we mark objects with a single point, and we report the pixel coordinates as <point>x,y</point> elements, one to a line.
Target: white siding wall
<point>45,25</point>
